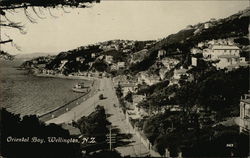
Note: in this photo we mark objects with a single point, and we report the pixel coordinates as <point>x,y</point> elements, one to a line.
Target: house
<point>93,55</point>
<point>126,50</point>
<point>179,72</point>
<point>101,57</point>
<point>207,25</point>
<point>195,51</point>
<point>228,61</point>
<point>161,53</point>
<point>80,59</point>
<point>169,62</point>
<point>215,51</point>
<point>149,79</point>
<point>109,59</point>
<point>194,61</point>
<point>244,119</point>
<point>201,44</point>
<point>121,65</point>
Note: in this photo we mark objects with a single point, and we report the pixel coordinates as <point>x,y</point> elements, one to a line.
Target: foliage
<point>28,127</point>
<point>94,125</point>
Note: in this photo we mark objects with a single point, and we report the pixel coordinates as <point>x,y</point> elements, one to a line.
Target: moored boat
<point>80,88</point>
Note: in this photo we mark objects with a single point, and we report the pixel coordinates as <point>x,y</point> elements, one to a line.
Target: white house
<point>109,59</point>
<point>121,64</point>
<point>195,51</point>
<point>201,44</point>
<point>217,50</point>
<point>93,55</point>
<point>207,25</point>
<point>227,60</point>
<point>194,61</point>
<point>161,53</point>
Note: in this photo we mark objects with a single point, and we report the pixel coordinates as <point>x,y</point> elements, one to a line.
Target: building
<point>109,59</point>
<point>244,119</point>
<point>93,55</point>
<point>207,25</point>
<point>217,50</point>
<point>149,79</point>
<point>161,53</point>
<point>195,51</point>
<point>80,59</point>
<point>194,61</point>
<point>230,62</point>
<point>121,65</point>
<point>178,73</point>
<point>169,62</point>
<point>201,44</point>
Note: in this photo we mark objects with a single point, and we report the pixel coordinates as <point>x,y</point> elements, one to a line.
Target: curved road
<point>117,118</point>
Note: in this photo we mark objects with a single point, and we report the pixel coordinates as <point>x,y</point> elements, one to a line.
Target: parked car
<point>101,96</point>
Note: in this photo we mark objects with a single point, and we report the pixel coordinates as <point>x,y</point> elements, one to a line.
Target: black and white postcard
<point>124,78</point>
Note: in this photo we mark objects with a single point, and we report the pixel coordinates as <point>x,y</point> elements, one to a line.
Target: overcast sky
<point>134,20</point>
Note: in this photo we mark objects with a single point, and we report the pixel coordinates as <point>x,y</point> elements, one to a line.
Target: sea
<point>25,94</point>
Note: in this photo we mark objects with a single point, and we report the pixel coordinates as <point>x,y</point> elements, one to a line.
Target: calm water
<point>23,93</point>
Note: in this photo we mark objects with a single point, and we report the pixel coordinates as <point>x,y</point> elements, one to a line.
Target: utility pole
<point>110,143</point>
<point>111,138</point>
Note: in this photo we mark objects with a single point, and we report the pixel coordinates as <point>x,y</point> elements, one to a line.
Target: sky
<point>110,19</point>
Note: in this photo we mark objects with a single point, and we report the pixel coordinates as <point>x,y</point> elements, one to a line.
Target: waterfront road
<point>116,117</point>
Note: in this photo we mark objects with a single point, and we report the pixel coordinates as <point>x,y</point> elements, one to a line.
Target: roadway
<point>117,118</point>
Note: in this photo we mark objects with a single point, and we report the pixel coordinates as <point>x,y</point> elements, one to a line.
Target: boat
<point>80,88</point>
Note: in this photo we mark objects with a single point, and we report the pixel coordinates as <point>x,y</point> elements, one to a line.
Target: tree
<point>35,7</point>
<point>29,127</point>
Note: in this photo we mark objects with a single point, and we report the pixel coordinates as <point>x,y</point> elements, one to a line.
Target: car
<point>101,96</point>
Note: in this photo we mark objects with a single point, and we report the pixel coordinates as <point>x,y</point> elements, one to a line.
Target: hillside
<point>232,26</point>
<point>6,56</point>
<point>105,56</point>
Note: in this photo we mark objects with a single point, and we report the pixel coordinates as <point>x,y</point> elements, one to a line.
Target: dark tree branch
<point>7,41</point>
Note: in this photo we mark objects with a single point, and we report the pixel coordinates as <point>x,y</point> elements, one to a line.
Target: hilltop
<point>118,56</point>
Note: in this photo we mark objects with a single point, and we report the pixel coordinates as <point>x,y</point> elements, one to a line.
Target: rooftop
<point>228,56</point>
<point>180,71</point>
<point>219,47</point>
